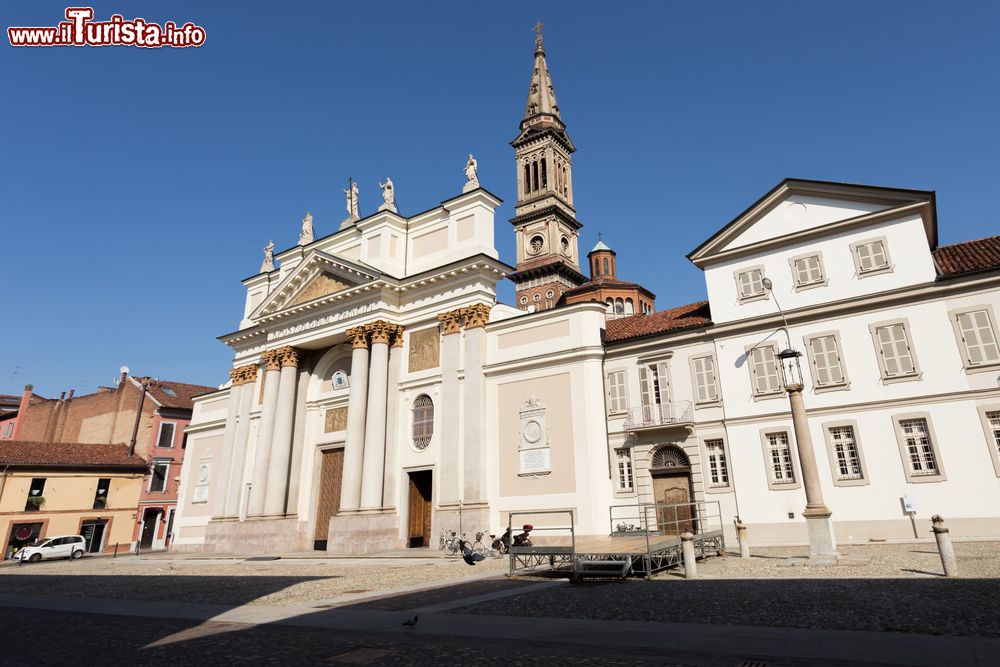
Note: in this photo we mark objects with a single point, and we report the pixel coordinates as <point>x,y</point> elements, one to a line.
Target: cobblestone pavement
<point>49,638</point>
<point>897,591</point>
<point>273,583</point>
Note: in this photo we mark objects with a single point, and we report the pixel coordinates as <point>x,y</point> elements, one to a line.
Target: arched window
<point>597,267</point>
<point>669,457</point>
<point>605,269</point>
<point>619,307</point>
<point>611,307</point>
<point>423,421</point>
<point>629,307</point>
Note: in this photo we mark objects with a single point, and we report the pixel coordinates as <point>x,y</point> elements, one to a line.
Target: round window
<point>537,297</point>
<point>549,294</point>
<point>536,244</point>
<point>524,300</point>
<point>564,243</point>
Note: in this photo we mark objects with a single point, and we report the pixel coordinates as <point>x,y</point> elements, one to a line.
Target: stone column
<point>276,488</point>
<point>474,431</point>
<point>378,378</point>
<point>392,439</point>
<point>237,462</point>
<point>448,485</point>
<point>822,543</point>
<point>354,441</point>
<point>228,438</point>
<point>265,432</point>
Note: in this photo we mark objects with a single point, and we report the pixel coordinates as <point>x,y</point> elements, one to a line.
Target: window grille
<point>624,459</point>
<point>718,471</point>
<point>919,448</point>
<point>423,421</point>
<point>845,448</point>
<point>669,457</point>
<point>782,470</point>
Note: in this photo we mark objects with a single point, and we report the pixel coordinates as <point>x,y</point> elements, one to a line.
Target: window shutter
<point>645,387</point>
<point>664,380</point>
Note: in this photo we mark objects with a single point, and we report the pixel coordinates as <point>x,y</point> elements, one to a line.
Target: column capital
<point>358,336</point>
<point>287,356</point>
<point>250,373</point>
<point>380,331</point>
<point>235,376</point>
<point>476,316</point>
<point>451,321</point>
<point>397,338</point>
<point>271,359</point>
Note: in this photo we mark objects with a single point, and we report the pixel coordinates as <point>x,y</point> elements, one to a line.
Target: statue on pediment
<point>388,196</point>
<point>471,174</point>
<point>268,264</point>
<point>306,235</point>
<point>352,200</point>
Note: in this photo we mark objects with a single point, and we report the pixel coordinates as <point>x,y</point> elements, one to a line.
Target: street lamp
<point>822,543</point>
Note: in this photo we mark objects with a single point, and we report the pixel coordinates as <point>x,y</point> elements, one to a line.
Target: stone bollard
<point>687,548</point>
<point>944,546</point>
<point>741,537</point>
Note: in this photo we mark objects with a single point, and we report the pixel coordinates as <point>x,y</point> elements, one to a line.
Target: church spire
<point>541,94</point>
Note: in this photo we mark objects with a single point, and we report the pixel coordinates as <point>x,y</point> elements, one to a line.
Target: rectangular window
<point>807,271</point>
<point>765,376</point>
<point>990,417</point>
<point>779,458</point>
<point>616,392</point>
<point>718,471</point>
<point>978,338</point>
<point>706,388</point>
<point>8,428</point>
<point>158,476</point>
<point>623,457</point>
<point>101,495</point>
<point>871,257</point>
<point>918,448</point>
<point>166,438</point>
<point>36,497</point>
<point>824,357</point>
<point>847,456</point>
<point>750,284</point>
<point>894,351</point>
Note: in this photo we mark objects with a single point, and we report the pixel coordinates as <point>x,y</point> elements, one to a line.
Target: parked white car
<point>64,546</point>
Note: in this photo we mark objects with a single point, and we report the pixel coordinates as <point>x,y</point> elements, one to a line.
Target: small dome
<point>601,245</point>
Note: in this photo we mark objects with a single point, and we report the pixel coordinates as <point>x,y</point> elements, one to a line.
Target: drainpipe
<point>138,415</point>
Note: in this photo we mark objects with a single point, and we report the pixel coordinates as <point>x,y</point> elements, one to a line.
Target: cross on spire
<point>538,33</point>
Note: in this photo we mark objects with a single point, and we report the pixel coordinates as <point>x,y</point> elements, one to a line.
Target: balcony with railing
<point>661,415</point>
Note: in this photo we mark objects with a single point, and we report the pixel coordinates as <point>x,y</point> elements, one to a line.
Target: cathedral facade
<point>379,393</point>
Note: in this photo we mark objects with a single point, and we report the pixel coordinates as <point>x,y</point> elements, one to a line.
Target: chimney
<point>62,396</point>
<point>22,412</point>
<point>71,392</point>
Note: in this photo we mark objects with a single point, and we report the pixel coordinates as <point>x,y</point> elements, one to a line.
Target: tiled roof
<point>968,257</point>
<point>26,453</point>
<point>176,394</point>
<point>606,281</point>
<point>637,326</point>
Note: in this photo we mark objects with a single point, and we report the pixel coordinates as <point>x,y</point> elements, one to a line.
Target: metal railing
<point>662,414</point>
<point>529,557</point>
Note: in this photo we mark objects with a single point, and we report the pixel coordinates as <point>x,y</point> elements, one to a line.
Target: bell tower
<point>545,226</point>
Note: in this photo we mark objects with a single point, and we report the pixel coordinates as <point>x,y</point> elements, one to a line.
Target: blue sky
<point>139,186</point>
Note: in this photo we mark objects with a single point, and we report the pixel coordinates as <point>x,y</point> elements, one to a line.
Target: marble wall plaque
<point>335,420</point>
<point>535,460</point>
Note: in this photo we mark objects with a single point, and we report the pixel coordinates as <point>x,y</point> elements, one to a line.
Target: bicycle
<point>479,547</point>
<point>453,544</point>
<point>442,540</point>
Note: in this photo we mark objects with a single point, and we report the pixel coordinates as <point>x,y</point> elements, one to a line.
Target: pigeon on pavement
<point>469,557</point>
<point>412,622</point>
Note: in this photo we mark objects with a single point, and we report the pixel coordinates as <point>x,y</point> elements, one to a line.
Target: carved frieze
<point>425,350</point>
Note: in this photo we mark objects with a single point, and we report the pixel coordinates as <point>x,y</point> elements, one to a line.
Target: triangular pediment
<point>797,207</point>
<point>317,276</point>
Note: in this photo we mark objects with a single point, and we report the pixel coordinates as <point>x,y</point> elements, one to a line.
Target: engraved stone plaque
<point>335,420</point>
<point>425,350</point>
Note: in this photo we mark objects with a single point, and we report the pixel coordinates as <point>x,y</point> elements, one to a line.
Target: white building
<point>378,391</point>
<point>900,361</point>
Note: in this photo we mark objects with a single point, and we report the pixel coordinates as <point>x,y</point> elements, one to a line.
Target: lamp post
<point>822,543</point>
